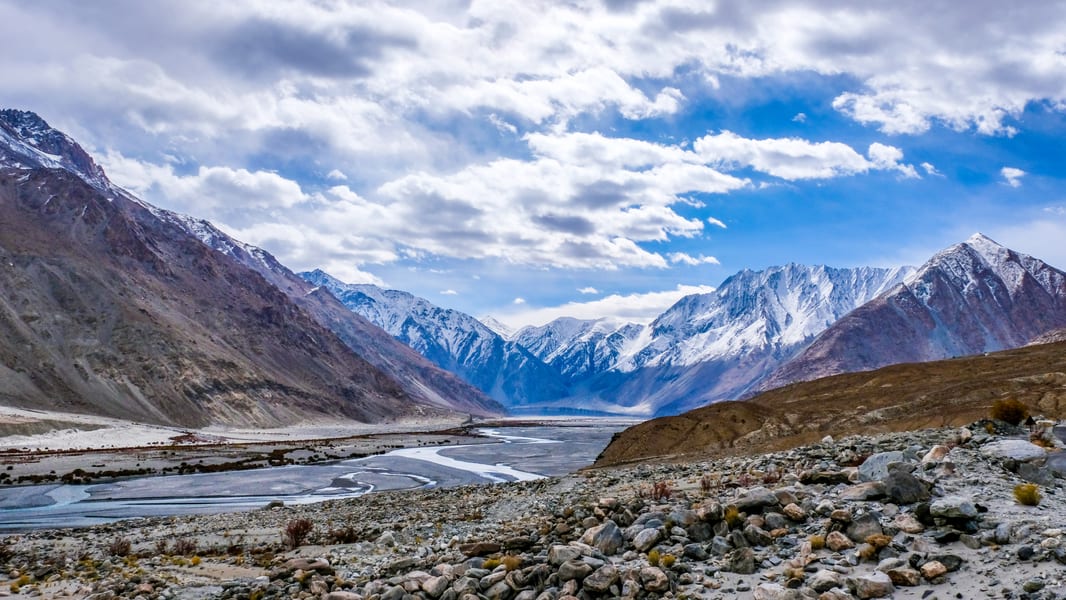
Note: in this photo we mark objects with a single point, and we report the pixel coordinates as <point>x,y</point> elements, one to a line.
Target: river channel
<point>522,453</point>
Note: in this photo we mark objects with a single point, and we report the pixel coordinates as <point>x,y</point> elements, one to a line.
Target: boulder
<point>875,468</point>
<point>953,507</point>
<point>741,560</point>
<point>756,500</point>
<point>1020,450</point>
<point>601,580</point>
<point>646,539</point>
<point>874,585</point>
<point>607,538</point>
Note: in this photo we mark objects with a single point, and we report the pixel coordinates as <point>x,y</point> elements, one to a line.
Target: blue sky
<point>534,159</point>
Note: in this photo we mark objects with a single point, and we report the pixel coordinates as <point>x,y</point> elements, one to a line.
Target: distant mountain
<point>706,347</point>
<point>108,308</point>
<point>973,297</point>
<point>579,349</point>
<point>452,340</point>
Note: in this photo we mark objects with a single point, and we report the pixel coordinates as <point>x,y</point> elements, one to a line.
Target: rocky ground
<point>927,514</point>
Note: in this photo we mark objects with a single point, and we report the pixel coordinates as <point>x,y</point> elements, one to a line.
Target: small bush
<point>817,542</point>
<point>511,562</point>
<point>732,516</point>
<point>1027,494</point>
<point>184,547</point>
<point>667,560</point>
<point>161,547</point>
<point>119,547</point>
<point>1009,411</point>
<point>707,483</point>
<point>653,558</point>
<point>195,561</point>
<point>490,564</point>
<point>878,540</point>
<point>344,535</point>
<point>661,491</point>
<point>296,532</point>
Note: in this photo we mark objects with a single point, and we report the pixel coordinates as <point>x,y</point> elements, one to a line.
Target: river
<point>523,453</point>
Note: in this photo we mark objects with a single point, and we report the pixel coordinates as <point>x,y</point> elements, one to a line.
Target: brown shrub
<point>119,547</point>
<point>296,532</point>
<point>1027,494</point>
<point>1009,411</point>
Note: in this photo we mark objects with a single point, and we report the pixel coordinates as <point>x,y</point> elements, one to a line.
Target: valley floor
<point>936,520</point>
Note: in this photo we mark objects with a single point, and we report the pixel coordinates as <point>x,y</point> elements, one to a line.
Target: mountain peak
<point>28,141</point>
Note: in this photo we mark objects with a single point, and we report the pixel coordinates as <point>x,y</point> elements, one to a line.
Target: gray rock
<point>1020,450</point>
<point>825,580</point>
<point>558,554</point>
<point>741,560</point>
<point>904,488</point>
<point>757,536</point>
<point>774,591</point>
<point>869,490</point>
<point>695,552</point>
<point>720,545</point>
<point>435,586</point>
<point>875,468</point>
<point>953,507</point>
<point>1036,474</point>
<point>601,580</point>
<point>646,539</point>
<point>756,499</point>
<point>654,579</point>
<point>874,585</point>
<point>1033,585</point>
<point>499,591</point>
<point>574,569</point>
<point>863,526</point>
<point>606,538</point>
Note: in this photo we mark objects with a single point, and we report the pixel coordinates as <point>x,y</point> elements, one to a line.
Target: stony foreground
<point>929,514</point>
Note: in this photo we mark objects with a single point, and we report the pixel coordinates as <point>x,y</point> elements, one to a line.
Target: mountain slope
<point>581,348</point>
<point>894,398</point>
<point>107,309</point>
<point>714,346</point>
<point>973,297</point>
<point>452,340</point>
<point>418,377</point>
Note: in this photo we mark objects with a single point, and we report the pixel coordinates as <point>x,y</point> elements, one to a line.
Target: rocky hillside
<point>926,514</point>
<point>452,340</point>
<point>973,297</point>
<point>895,398</point>
<point>108,309</point>
<point>419,378</point>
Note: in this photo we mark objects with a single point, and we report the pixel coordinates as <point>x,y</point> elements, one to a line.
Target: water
<point>523,453</point>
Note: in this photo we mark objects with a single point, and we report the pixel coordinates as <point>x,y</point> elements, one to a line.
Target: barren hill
<point>895,398</point>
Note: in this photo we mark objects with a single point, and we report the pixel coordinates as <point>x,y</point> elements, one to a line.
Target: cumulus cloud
<point>588,290</point>
<point>449,293</point>
<point>1012,176</point>
<point>794,159</point>
<point>635,308</point>
<point>930,169</point>
<point>685,259</point>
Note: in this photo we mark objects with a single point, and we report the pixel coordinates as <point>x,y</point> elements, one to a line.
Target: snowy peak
<point>503,329</point>
<point>27,141</point>
<point>579,348</point>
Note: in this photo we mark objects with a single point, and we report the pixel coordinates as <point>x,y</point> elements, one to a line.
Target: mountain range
<point>114,306</point>
<point>111,306</point>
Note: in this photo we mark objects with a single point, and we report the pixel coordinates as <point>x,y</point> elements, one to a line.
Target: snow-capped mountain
<point>973,297</point>
<point>706,347</point>
<point>453,340</point>
<point>581,348</point>
<point>108,308</point>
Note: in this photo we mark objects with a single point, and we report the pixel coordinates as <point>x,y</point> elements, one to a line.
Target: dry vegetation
<point>895,398</point>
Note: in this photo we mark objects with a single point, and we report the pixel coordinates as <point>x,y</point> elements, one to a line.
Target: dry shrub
<point>1027,494</point>
<point>511,562</point>
<point>667,560</point>
<point>296,532</point>
<point>184,547</point>
<point>653,558</point>
<point>661,491</point>
<point>490,563</point>
<point>119,547</point>
<point>878,540</point>
<point>344,535</point>
<point>1009,411</point>
<point>732,516</point>
<point>817,542</point>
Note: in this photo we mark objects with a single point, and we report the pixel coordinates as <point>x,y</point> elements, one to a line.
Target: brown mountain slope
<point>895,398</point>
<point>107,309</point>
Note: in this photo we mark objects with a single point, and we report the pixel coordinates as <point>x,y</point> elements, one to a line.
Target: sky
<point>530,159</point>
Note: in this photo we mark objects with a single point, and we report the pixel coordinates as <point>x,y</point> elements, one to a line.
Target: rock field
<point>925,514</point>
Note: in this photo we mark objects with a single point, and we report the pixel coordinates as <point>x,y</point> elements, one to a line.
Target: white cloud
<point>636,308</point>
<point>449,293</point>
<point>685,259</point>
<point>336,175</point>
<point>716,222</point>
<point>931,170</point>
<point>588,290</point>
<point>800,118</point>
<point>794,159</point>
<point>518,301</point>
<point>1012,176</point>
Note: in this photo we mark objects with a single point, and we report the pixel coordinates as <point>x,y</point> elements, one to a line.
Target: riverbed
<point>520,453</point>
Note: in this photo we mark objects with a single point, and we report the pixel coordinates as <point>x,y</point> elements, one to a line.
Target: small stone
<point>601,580</point>
<point>606,538</point>
<point>654,579</point>
<point>837,541</point>
<point>741,560</point>
<point>827,439</point>
<point>435,586</point>
<point>558,554</point>
<point>757,536</point>
<point>342,595</point>
<point>863,526</point>
<point>907,523</point>
<point>933,569</point>
<point>862,492</point>
<point>904,488</point>
<point>1033,585</point>
<point>935,454</point>
<point>904,576</point>
<point>479,548</point>
<point>574,569</point>
<point>824,580</point>
<point>875,467</point>
<point>1001,535</point>
<point>1026,552</point>
<point>756,499</point>
<point>953,507</point>
<point>646,539</point>
<point>695,552</point>
<point>874,585</point>
<point>774,591</point>
<point>795,512</point>
<point>840,515</point>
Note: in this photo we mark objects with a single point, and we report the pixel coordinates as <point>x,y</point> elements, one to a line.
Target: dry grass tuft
<point>1009,410</point>
<point>1027,494</point>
